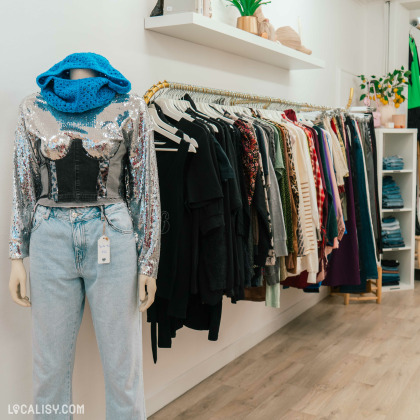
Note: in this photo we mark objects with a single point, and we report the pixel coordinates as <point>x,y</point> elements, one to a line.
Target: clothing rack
<point>373,286</point>
<point>238,97</point>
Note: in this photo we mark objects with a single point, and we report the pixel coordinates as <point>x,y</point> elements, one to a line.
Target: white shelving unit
<point>202,30</point>
<point>401,142</point>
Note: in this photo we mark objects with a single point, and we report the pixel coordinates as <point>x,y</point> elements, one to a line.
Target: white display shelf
<point>404,248</point>
<point>396,131</point>
<point>401,142</point>
<point>396,210</point>
<point>399,287</point>
<point>396,171</point>
<point>202,30</point>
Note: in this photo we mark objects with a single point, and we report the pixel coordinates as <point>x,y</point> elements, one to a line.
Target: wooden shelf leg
<point>346,298</point>
<point>379,286</point>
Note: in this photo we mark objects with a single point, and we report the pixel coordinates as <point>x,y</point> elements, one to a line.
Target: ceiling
<point>410,4</point>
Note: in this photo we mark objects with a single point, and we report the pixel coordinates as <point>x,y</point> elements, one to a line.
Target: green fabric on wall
<point>414,85</point>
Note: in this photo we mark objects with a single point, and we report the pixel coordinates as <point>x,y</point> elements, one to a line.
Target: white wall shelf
<point>404,143</point>
<point>202,30</point>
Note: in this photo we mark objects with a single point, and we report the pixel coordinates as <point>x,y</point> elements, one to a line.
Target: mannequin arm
<point>17,283</point>
<point>149,298</point>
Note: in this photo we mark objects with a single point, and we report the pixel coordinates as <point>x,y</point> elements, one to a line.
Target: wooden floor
<point>354,362</point>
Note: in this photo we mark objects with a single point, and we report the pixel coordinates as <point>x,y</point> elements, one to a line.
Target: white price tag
<point>104,250</point>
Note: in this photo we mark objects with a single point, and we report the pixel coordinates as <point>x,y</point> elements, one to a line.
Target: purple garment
<point>343,266</point>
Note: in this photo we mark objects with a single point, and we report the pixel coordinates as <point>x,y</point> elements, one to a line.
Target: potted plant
<point>247,8</point>
<point>388,90</point>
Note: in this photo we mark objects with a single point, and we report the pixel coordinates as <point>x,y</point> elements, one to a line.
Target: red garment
<point>300,281</point>
<point>333,126</point>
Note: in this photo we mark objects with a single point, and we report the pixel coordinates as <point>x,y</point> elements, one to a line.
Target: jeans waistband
<point>79,213</point>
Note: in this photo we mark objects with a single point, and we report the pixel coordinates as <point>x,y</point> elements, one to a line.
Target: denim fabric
<point>393,163</point>
<point>77,175</point>
<point>391,276</point>
<point>391,194</point>
<point>64,270</point>
<point>391,233</point>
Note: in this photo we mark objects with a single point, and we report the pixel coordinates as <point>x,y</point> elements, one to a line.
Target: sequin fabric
<point>102,177</point>
<point>54,185</point>
<point>44,132</point>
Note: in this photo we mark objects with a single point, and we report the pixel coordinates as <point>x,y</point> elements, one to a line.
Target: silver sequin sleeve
<point>25,185</point>
<point>144,198</point>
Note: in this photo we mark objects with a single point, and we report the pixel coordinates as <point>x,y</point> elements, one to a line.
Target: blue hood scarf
<point>80,95</point>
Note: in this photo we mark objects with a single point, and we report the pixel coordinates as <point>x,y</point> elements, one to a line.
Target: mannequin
<point>17,283</point>
<point>86,210</point>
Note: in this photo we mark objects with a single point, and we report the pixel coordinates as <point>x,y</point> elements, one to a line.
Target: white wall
<point>414,14</point>
<point>376,35</point>
<point>35,35</point>
<point>375,42</point>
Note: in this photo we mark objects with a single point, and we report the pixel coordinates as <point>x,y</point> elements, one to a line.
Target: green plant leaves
<point>388,88</point>
<point>247,7</point>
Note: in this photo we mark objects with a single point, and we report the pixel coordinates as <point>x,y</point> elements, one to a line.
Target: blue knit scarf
<point>81,95</point>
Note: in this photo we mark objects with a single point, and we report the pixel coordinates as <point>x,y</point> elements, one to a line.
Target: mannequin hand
<point>146,298</point>
<point>17,283</point>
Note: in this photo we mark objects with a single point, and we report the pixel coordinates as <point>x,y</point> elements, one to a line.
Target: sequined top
<point>114,150</point>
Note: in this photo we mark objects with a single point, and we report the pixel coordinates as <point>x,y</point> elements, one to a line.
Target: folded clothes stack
<point>391,194</point>
<point>395,163</point>
<point>391,233</point>
<point>390,272</point>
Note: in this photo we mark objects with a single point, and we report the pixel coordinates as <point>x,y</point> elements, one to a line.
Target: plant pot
<point>387,111</point>
<point>248,24</point>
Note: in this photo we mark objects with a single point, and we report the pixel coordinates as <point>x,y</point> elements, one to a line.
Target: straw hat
<point>290,38</point>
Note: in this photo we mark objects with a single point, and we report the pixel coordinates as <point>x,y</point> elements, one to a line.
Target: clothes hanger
<point>161,117</point>
<point>165,133</point>
<point>221,113</point>
<point>158,123</point>
<point>163,127</point>
<point>191,148</point>
<point>177,140</point>
<point>171,111</point>
<point>198,109</point>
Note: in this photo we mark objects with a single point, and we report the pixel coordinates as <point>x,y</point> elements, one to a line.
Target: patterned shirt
<point>250,156</point>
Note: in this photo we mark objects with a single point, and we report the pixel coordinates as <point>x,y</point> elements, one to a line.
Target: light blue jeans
<point>63,269</point>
